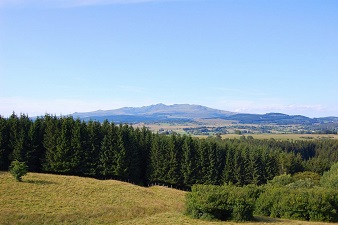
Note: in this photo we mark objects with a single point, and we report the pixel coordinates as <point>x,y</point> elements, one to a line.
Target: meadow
<point>278,132</point>
<point>57,199</point>
<point>285,136</point>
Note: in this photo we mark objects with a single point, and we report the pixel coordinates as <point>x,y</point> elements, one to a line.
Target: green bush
<point>316,204</point>
<point>306,183</point>
<point>221,202</point>
<point>315,177</point>
<point>281,180</point>
<point>330,178</point>
<point>18,169</point>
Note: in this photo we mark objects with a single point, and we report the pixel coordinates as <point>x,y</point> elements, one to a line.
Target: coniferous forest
<point>64,145</point>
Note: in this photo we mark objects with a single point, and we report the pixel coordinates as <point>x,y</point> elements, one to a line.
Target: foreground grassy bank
<point>54,199</point>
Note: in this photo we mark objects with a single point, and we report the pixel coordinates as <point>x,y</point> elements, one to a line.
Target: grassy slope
<point>53,199</point>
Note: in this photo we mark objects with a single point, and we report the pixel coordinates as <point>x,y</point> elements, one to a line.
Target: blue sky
<point>255,56</point>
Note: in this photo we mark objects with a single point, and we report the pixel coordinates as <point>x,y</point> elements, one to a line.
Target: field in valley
<point>286,136</point>
<point>55,199</point>
<point>179,128</point>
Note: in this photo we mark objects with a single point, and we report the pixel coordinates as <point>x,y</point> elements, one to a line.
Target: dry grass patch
<point>54,199</point>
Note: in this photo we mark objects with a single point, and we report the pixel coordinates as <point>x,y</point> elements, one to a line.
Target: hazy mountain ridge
<point>173,111</point>
<point>186,112</point>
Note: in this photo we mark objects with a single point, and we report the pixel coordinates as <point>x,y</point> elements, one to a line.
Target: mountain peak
<point>173,111</point>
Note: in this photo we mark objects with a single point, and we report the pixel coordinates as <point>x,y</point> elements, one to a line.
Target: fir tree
<point>173,174</point>
<point>107,158</point>
<point>36,149</point>
<point>188,166</point>
<point>95,136</point>
<point>4,144</point>
<point>228,171</point>
<point>52,132</point>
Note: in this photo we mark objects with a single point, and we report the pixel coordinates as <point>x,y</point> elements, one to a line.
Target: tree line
<point>65,145</point>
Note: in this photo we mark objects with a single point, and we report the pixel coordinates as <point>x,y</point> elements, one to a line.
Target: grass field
<point>54,199</point>
<point>178,128</point>
<point>286,136</point>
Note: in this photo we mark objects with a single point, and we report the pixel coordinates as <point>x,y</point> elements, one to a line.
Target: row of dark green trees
<point>65,145</point>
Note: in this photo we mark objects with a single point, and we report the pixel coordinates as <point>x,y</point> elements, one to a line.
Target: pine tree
<point>4,144</point>
<point>153,169</point>
<point>144,138</point>
<point>228,171</point>
<point>188,166</point>
<point>36,149</point>
<point>212,168</point>
<point>77,147</point>
<point>95,137</point>
<point>19,141</point>
<point>238,168</point>
<point>134,155</point>
<point>120,152</point>
<point>203,162</point>
<point>63,158</point>
<point>271,165</point>
<point>52,132</point>
<point>246,167</point>
<point>107,158</point>
<point>173,175</point>
<point>257,167</point>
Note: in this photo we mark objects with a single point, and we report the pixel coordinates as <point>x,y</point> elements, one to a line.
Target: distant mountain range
<point>187,112</point>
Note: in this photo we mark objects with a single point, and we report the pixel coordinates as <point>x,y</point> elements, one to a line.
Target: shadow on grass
<point>39,182</point>
<point>263,219</point>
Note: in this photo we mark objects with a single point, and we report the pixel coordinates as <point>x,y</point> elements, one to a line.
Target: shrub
<point>18,169</point>
<point>281,180</point>
<point>315,177</point>
<point>306,183</point>
<point>221,202</point>
<point>330,178</point>
<point>316,204</point>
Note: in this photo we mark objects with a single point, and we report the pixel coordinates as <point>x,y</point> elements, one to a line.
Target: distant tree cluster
<point>65,145</point>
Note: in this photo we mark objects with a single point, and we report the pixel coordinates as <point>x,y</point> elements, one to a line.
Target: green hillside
<point>55,199</point>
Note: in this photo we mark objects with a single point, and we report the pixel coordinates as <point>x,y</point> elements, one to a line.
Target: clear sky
<point>256,56</point>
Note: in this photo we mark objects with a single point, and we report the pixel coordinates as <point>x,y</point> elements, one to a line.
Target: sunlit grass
<point>54,199</point>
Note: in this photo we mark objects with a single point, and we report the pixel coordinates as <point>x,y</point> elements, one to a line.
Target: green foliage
<point>330,178</point>
<point>299,180</point>
<point>4,144</point>
<point>281,180</point>
<point>221,202</point>
<point>306,183</point>
<point>188,165</point>
<point>18,169</point>
<point>307,175</point>
<point>316,204</point>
